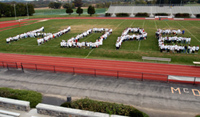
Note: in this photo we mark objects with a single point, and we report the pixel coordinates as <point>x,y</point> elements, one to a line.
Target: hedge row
<point>198,16</point>
<point>122,15</point>
<point>183,15</point>
<point>161,14</point>
<point>142,15</point>
<point>33,97</point>
<point>104,107</point>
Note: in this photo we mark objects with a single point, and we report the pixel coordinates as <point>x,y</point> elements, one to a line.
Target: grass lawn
<point>130,50</point>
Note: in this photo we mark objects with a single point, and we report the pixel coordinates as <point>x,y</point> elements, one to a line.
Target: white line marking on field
<point>188,31</point>
<point>132,23</point>
<point>167,24</point>
<point>140,41</point>
<point>193,25</point>
<point>155,24</point>
<point>119,24</point>
<point>143,24</point>
<point>139,46</point>
<point>89,53</point>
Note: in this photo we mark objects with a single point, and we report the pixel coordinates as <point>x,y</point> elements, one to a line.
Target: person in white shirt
<point>197,48</point>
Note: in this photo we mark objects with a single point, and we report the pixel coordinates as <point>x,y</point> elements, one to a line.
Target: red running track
<point>150,71</point>
<point>7,24</point>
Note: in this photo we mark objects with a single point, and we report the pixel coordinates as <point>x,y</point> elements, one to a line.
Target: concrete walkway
<point>157,99</point>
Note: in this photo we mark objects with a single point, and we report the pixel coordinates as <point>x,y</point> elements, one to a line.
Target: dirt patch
<point>84,27</point>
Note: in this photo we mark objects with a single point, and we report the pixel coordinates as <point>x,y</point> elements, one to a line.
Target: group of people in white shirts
<point>74,42</point>
<point>169,32</point>
<point>174,39</point>
<point>125,37</point>
<point>34,33</point>
<point>52,36</point>
<point>182,40</point>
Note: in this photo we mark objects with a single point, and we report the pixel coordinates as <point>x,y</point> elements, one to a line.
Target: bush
<point>107,14</point>
<point>161,14</point>
<point>91,10</point>
<point>197,116</point>
<point>198,16</point>
<point>104,107</point>
<point>182,15</point>
<point>122,15</point>
<point>142,15</point>
<point>69,10</point>
<point>33,97</point>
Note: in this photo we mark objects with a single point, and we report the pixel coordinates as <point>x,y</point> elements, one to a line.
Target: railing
<point>91,71</point>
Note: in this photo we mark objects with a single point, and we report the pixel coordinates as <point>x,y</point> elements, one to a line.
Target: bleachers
<point>181,9</point>
<point>124,9</point>
<point>154,9</point>
<point>164,9</point>
<point>141,9</point>
<point>195,10</point>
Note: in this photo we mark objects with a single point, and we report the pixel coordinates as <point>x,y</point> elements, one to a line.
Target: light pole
<point>15,12</point>
<point>27,10</point>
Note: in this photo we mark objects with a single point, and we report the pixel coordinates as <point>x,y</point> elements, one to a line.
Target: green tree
<point>66,5</point>
<point>91,10</point>
<point>57,5</point>
<point>79,11</point>
<point>78,3</point>
<point>51,5</point>
<point>31,10</point>
<point>69,10</point>
<point>21,10</point>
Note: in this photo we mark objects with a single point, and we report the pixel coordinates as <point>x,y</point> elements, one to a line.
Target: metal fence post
<point>36,67</point>
<point>194,80</point>
<point>7,66</point>
<point>167,78</point>
<point>22,67</point>
<point>73,70</point>
<point>95,72</point>
<point>54,69</point>
<point>142,77</point>
<point>3,64</point>
<point>16,65</point>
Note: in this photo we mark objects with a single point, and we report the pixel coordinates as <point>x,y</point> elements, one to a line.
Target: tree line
<point>9,9</point>
<point>70,6</point>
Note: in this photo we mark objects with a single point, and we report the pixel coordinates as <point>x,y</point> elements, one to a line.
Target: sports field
<point>130,50</point>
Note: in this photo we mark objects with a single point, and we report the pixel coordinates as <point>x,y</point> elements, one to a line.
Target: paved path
<point>155,98</point>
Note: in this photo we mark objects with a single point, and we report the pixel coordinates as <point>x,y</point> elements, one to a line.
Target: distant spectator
<point>183,32</point>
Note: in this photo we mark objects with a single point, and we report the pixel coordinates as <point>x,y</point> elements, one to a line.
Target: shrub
<point>122,15</point>
<point>182,15</point>
<point>91,10</point>
<point>142,15</point>
<point>33,97</point>
<point>161,14</point>
<point>104,107</point>
<point>107,14</point>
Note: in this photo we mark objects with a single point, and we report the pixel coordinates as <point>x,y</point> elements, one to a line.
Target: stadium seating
<point>192,10</point>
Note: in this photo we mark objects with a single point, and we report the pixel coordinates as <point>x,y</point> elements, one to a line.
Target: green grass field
<point>130,50</point>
